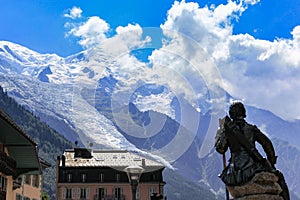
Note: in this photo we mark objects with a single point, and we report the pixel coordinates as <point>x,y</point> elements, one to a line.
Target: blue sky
<point>255,45</point>
<point>39,24</point>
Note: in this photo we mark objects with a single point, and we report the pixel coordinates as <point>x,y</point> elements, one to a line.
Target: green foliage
<point>45,196</point>
<point>50,143</point>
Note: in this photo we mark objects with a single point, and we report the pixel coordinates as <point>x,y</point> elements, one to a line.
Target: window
<point>68,193</point>
<point>151,191</point>
<point>101,177</point>
<point>18,197</point>
<point>84,193</point>
<point>117,193</point>
<point>28,179</point>
<point>161,189</point>
<point>69,177</point>
<point>3,183</point>
<point>117,176</point>
<point>101,193</point>
<point>153,178</point>
<point>83,178</point>
<point>36,180</point>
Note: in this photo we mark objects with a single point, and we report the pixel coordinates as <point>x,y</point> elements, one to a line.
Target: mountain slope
<point>50,143</point>
<point>70,96</point>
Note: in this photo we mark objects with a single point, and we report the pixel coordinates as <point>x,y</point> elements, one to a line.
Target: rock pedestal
<point>262,186</point>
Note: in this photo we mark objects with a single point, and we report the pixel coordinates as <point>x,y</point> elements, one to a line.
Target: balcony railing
<point>17,183</point>
<point>7,164</point>
<point>109,197</point>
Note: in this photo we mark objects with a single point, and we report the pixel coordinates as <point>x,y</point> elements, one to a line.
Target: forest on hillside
<point>50,143</point>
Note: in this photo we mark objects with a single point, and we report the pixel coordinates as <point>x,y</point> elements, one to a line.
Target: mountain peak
<point>15,58</point>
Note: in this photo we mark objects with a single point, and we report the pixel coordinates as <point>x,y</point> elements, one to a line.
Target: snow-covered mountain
<point>44,85</point>
<point>88,97</point>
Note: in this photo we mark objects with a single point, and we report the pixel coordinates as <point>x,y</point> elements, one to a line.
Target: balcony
<point>7,164</point>
<point>109,197</point>
<point>17,183</point>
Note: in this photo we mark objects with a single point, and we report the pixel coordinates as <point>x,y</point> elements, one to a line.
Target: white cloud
<point>199,54</point>
<point>91,32</point>
<point>74,13</point>
<point>202,50</point>
<point>160,103</point>
<point>263,73</point>
<point>209,27</point>
<point>130,36</point>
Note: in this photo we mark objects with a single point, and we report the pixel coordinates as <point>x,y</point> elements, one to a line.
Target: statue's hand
<point>229,125</point>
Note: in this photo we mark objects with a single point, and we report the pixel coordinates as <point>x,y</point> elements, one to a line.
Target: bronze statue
<point>240,137</point>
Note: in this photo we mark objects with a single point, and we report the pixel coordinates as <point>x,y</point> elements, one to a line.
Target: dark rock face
<point>263,186</point>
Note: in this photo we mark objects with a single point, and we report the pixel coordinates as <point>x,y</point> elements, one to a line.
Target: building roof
<point>117,159</point>
<point>20,146</point>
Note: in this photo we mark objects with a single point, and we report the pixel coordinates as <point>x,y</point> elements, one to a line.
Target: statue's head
<point>237,111</point>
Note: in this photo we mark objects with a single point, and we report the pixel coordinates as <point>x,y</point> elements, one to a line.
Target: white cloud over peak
<point>131,36</point>
<point>263,73</point>
<point>91,32</point>
<point>201,49</point>
<point>74,13</point>
<point>210,27</point>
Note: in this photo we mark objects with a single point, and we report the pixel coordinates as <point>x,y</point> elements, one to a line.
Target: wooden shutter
<point>87,193</point>
<point>78,193</point>
<point>64,193</point>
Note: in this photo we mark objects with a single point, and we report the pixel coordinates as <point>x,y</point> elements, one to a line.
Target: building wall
<point>83,176</point>
<point>144,191</point>
<point>7,181</point>
<point>6,186</point>
<point>29,188</point>
<point>11,167</point>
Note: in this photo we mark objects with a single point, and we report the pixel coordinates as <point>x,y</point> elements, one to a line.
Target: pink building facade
<point>100,175</point>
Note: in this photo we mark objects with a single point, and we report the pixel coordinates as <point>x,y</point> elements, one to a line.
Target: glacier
<point>88,96</point>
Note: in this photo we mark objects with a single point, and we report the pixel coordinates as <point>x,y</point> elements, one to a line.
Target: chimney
<point>63,161</point>
<point>143,162</point>
<point>57,161</point>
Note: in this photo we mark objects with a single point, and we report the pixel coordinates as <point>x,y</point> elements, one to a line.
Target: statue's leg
<point>281,181</point>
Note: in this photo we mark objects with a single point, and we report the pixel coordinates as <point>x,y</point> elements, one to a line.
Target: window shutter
<point>87,193</point>
<point>64,193</point>
<point>73,191</point>
<point>78,193</point>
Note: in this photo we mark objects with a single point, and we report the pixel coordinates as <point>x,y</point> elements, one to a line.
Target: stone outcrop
<point>262,186</point>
